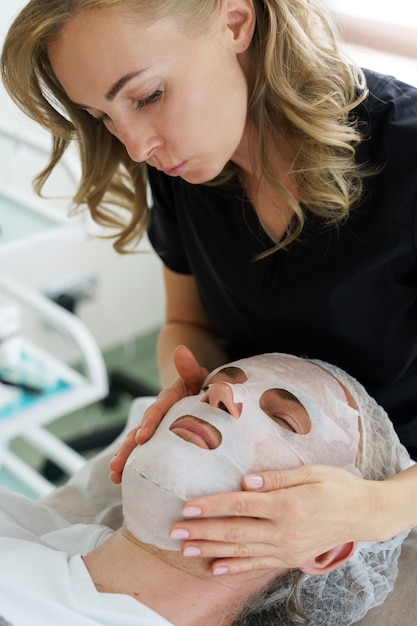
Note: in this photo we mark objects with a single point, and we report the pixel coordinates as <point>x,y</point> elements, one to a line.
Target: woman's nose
<point>140,143</point>
<point>220,396</point>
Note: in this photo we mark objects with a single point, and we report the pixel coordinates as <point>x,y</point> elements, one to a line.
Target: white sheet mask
<point>164,473</point>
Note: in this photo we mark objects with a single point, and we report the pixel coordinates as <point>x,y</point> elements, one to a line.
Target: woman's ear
<point>241,20</point>
<point>329,560</point>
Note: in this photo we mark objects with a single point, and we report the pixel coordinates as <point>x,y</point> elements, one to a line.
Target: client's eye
<point>286,410</point>
<point>286,421</point>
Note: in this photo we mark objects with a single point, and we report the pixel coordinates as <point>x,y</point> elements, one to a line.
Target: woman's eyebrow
<point>232,372</point>
<point>283,394</point>
<point>112,93</point>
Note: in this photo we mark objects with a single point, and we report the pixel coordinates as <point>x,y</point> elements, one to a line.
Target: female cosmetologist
<point>284,182</point>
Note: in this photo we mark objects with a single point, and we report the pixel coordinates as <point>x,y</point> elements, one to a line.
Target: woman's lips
<point>177,170</point>
<point>197,431</point>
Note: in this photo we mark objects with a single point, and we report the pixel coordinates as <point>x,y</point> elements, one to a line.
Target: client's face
<point>273,411</point>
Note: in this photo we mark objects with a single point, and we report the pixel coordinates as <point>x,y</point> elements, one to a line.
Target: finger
<point>116,477</point>
<point>229,532</point>
<point>232,504</point>
<point>189,368</point>
<point>249,554</point>
<point>250,564</point>
<point>154,414</point>
<point>273,480</point>
<point>118,461</point>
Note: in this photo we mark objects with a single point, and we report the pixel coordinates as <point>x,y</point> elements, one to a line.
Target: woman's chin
<point>201,175</point>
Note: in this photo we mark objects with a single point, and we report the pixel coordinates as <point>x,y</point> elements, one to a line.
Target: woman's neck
<point>181,589</point>
<point>274,212</point>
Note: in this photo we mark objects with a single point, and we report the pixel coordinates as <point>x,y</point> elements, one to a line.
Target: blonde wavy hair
<point>302,90</point>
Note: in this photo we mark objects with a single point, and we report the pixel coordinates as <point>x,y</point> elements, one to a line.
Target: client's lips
<point>197,431</point>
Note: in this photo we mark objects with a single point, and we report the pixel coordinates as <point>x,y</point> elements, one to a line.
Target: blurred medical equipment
<point>36,387</point>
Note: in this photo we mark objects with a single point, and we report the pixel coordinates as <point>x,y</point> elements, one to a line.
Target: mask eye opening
<point>286,410</point>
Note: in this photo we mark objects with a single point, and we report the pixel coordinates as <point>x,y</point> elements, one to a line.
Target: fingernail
<point>179,533</point>
<point>221,569</point>
<point>254,481</point>
<point>191,511</point>
<point>191,551</point>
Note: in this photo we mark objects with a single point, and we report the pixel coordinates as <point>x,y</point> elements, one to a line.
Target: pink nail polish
<point>179,533</point>
<point>191,511</point>
<point>221,569</point>
<point>191,551</point>
<point>254,481</point>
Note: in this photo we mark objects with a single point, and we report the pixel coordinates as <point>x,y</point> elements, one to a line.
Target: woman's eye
<point>286,410</point>
<point>285,422</point>
<point>157,95</point>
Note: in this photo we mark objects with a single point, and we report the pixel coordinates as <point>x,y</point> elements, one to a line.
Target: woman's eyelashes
<point>156,96</point>
<point>230,374</point>
<point>286,410</point>
<point>285,421</point>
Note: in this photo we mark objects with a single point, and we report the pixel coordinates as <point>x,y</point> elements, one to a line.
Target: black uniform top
<point>347,295</point>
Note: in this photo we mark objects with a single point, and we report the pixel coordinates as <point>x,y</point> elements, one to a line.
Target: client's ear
<point>329,560</point>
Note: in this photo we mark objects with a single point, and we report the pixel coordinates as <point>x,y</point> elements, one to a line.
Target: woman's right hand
<point>189,382</point>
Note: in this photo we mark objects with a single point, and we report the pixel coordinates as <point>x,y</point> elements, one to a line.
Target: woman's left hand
<point>281,519</point>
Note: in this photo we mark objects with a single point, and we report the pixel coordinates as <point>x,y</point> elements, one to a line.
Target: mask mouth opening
<point>197,431</point>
